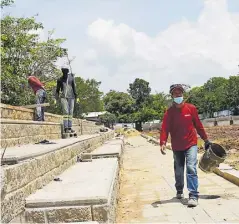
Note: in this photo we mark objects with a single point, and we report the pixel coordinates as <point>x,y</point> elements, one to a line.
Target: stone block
<point>86,157</point>
<point>97,182</point>
<point>59,215</point>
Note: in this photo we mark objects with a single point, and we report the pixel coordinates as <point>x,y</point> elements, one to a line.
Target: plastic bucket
<point>212,158</point>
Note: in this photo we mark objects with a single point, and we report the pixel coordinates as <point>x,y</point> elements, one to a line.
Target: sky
<point>160,41</point>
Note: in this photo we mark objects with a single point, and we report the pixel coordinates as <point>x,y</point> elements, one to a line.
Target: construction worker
<point>40,92</point>
<point>66,84</point>
<point>181,121</point>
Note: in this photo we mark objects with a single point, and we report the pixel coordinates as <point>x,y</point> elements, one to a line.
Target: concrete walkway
<point>147,192</point>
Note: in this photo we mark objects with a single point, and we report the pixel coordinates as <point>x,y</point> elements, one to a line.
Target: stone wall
<point>17,132</point>
<point>18,127</point>
<point>222,121</point>
<point>21,113</point>
<point>20,180</point>
<point>210,122</point>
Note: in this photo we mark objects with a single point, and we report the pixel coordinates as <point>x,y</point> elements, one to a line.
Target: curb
<point>225,171</point>
<point>155,141</point>
<point>228,173</point>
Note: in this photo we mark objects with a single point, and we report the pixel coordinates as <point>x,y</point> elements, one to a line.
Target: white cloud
<point>188,52</point>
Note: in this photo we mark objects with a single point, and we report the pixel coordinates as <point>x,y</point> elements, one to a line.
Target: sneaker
<point>179,195</point>
<point>192,202</point>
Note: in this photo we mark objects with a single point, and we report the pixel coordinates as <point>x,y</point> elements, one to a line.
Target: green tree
<point>158,102</point>
<point>139,91</point>
<point>210,97</point>
<point>22,53</point>
<point>108,119</point>
<point>232,94</point>
<point>90,97</point>
<point>118,103</point>
<point>5,3</point>
<point>197,97</point>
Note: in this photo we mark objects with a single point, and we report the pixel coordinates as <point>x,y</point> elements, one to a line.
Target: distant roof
<point>93,114</point>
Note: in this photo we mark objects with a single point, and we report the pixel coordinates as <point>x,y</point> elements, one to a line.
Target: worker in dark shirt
<point>66,92</point>
<point>39,91</point>
<point>181,121</point>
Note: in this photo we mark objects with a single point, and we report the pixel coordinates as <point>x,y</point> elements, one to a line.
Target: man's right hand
<point>163,149</point>
<point>207,144</point>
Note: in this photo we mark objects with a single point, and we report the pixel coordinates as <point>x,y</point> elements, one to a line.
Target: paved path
<point>147,192</point>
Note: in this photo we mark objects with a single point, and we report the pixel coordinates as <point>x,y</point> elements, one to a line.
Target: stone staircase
<point>42,183</point>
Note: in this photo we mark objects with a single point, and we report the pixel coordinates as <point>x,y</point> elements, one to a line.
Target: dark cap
<point>176,86</point>
<point>65,70</point>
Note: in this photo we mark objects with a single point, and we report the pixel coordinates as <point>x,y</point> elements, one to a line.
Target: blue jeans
<point>190,156</point>
<point>40,98</point>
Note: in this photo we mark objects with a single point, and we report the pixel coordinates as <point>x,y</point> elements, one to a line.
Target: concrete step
<point>86,192</point>
<point>111,148</point>
<point>38,165</point>
<point>20,153</point>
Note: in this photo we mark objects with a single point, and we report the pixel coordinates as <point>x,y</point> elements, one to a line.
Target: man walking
<point>40,93</point>
<point>180,121</point>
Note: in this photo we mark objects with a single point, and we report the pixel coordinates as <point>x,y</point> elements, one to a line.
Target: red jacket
<point>35,83</point>
<point>181,124</point>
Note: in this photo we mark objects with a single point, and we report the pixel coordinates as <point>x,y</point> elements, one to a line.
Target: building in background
<point>93,116</point>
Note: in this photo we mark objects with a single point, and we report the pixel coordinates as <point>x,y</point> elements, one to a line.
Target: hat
<point>64,69</point>
<point>176,86</point>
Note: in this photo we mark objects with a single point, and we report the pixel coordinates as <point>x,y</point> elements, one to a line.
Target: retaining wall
<point>18,127</point>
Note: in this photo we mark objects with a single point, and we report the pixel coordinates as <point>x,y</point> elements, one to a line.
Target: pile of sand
<point>127,132</point>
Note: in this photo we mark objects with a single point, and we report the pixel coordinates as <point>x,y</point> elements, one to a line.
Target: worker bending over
<point>40,93</point>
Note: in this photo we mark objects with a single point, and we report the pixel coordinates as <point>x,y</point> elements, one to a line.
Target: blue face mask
<point>178,100</point>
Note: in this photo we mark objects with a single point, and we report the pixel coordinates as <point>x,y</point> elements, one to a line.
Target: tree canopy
<point>216,94</point>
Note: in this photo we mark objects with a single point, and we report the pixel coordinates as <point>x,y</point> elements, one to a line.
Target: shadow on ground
<point>183,201</point>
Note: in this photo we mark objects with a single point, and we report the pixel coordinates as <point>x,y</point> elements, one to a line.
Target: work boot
<point>192,202</point>
<point>71,130</point>
<point>179,195</point>
<point>67,130</point>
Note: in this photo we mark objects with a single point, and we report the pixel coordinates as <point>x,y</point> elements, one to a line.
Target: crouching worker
<point>40,92</point>
<point>66,93</point>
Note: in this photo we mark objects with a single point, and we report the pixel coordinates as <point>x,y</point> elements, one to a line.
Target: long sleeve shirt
<point>67,86</point>
<point>183,124</point>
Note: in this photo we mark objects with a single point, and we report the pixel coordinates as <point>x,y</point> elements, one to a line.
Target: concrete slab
<point>24,152</point>
<point>228,173</point>
<point>115,141</point>
<point>82,185</point>
<point>113,149</point>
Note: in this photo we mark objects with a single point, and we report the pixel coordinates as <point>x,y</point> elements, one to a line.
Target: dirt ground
<point>227,136</point>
